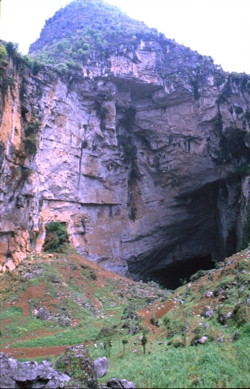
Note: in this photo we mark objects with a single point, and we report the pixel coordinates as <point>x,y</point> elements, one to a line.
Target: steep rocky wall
<point>140,163</point>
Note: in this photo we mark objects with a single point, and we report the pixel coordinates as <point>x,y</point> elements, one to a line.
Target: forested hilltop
<point>89,31</point>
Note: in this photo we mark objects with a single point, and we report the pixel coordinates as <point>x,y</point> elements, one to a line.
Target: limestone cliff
<point>139,153</point>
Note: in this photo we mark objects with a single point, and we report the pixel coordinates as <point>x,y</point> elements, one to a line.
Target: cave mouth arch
<point>172,276</point>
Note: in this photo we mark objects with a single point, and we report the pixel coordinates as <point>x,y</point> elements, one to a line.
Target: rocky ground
<point>55,301</point>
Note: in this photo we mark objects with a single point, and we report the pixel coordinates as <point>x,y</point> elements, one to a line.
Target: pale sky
<point>218,28</point>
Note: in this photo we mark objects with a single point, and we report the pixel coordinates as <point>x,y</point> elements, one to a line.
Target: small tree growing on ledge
<point>56,237</point>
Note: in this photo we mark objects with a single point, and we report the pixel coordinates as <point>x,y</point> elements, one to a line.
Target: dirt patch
<point>31,353</point>
<point>32,292</point>
<point>159,310</point>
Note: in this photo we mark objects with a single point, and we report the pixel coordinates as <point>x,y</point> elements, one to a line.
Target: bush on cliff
<point>56,237</point>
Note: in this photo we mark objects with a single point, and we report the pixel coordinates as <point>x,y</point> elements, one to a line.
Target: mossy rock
<point>77,363</point>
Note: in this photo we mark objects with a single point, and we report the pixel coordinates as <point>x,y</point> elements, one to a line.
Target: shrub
<point>7,82</point>
<point>144,341</point>
<point>3,52</point>
<point>36,67</point>
<point>92,275</point>
<point>12,48</point>
<point>124,342</point>
<point>240,314</point>
<point>32,127</point>
<point>106,332</point>
<point>30,145</point>
<point>26,172</point>
<point>56,237</point>
<point>154,320</point>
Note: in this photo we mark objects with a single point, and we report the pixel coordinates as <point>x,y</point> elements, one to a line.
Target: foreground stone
<point>101,366</point>
<point>15,374</point>
<point>114,383</point>
<point>77,363</point>
<point>81,372</point>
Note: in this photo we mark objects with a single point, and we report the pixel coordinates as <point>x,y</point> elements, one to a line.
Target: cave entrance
<point>173,275</point>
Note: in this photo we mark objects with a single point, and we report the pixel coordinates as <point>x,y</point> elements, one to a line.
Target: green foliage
<point>124,342</point>
<point>30,139</point>
<point>62,68</point>
<point>94,30</point>
<point>10,313</point>
<point>3,52</point>
<point>243,170</point>
<point>30,145</point>
<point>36,67</point>
<point>32,127</point>
<point>72,336</point>
<point>154,359</point>
<point>12,48</point>
<point>144,341</point>
<point>173,325</point>
<point>241,314</point>
<point>106,332</point>
<point>79,366</point>
<point>56,237</point>
<point>92,275</point>
<point>154,320</point>
<point>208,366</point>
<point>26,172</point>
<point>7,81</point>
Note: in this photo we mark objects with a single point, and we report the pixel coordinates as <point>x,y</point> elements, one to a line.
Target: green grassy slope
<point>84,304</point>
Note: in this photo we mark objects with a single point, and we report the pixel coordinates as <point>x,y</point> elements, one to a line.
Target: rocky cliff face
<point>138,154</point>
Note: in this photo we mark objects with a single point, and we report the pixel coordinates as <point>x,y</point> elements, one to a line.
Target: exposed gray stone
<point>209,313</point>
<point>101,365</point>
<point>203,340</point>
<point>42,313</point>
<point>115,383</point>
<point>209,294</point>
<point>33,375</point>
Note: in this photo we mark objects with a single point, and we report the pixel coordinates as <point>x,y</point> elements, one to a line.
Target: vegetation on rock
<point>56,237</point>
<point>195,336</point>
<point>86,29</point>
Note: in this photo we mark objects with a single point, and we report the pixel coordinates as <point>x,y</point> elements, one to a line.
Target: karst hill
<point>135,146</point>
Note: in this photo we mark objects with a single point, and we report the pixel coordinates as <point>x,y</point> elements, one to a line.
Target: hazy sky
<point>219,28</point>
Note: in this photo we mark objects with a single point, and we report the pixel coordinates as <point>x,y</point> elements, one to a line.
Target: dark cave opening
<point>175,274</point>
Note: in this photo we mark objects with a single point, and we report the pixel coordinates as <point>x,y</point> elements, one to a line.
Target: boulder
<point>42,314</point>
<point>101,365</point>
<point>115,383</point>
<point>203,340</point>
<point>77,363</point>
<point>30,374</point>
<point>209,313</point>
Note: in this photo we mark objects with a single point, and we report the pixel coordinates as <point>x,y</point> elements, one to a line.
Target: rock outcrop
<point>140,154</point>
<point>30,374</point>
<point>75,361</point>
